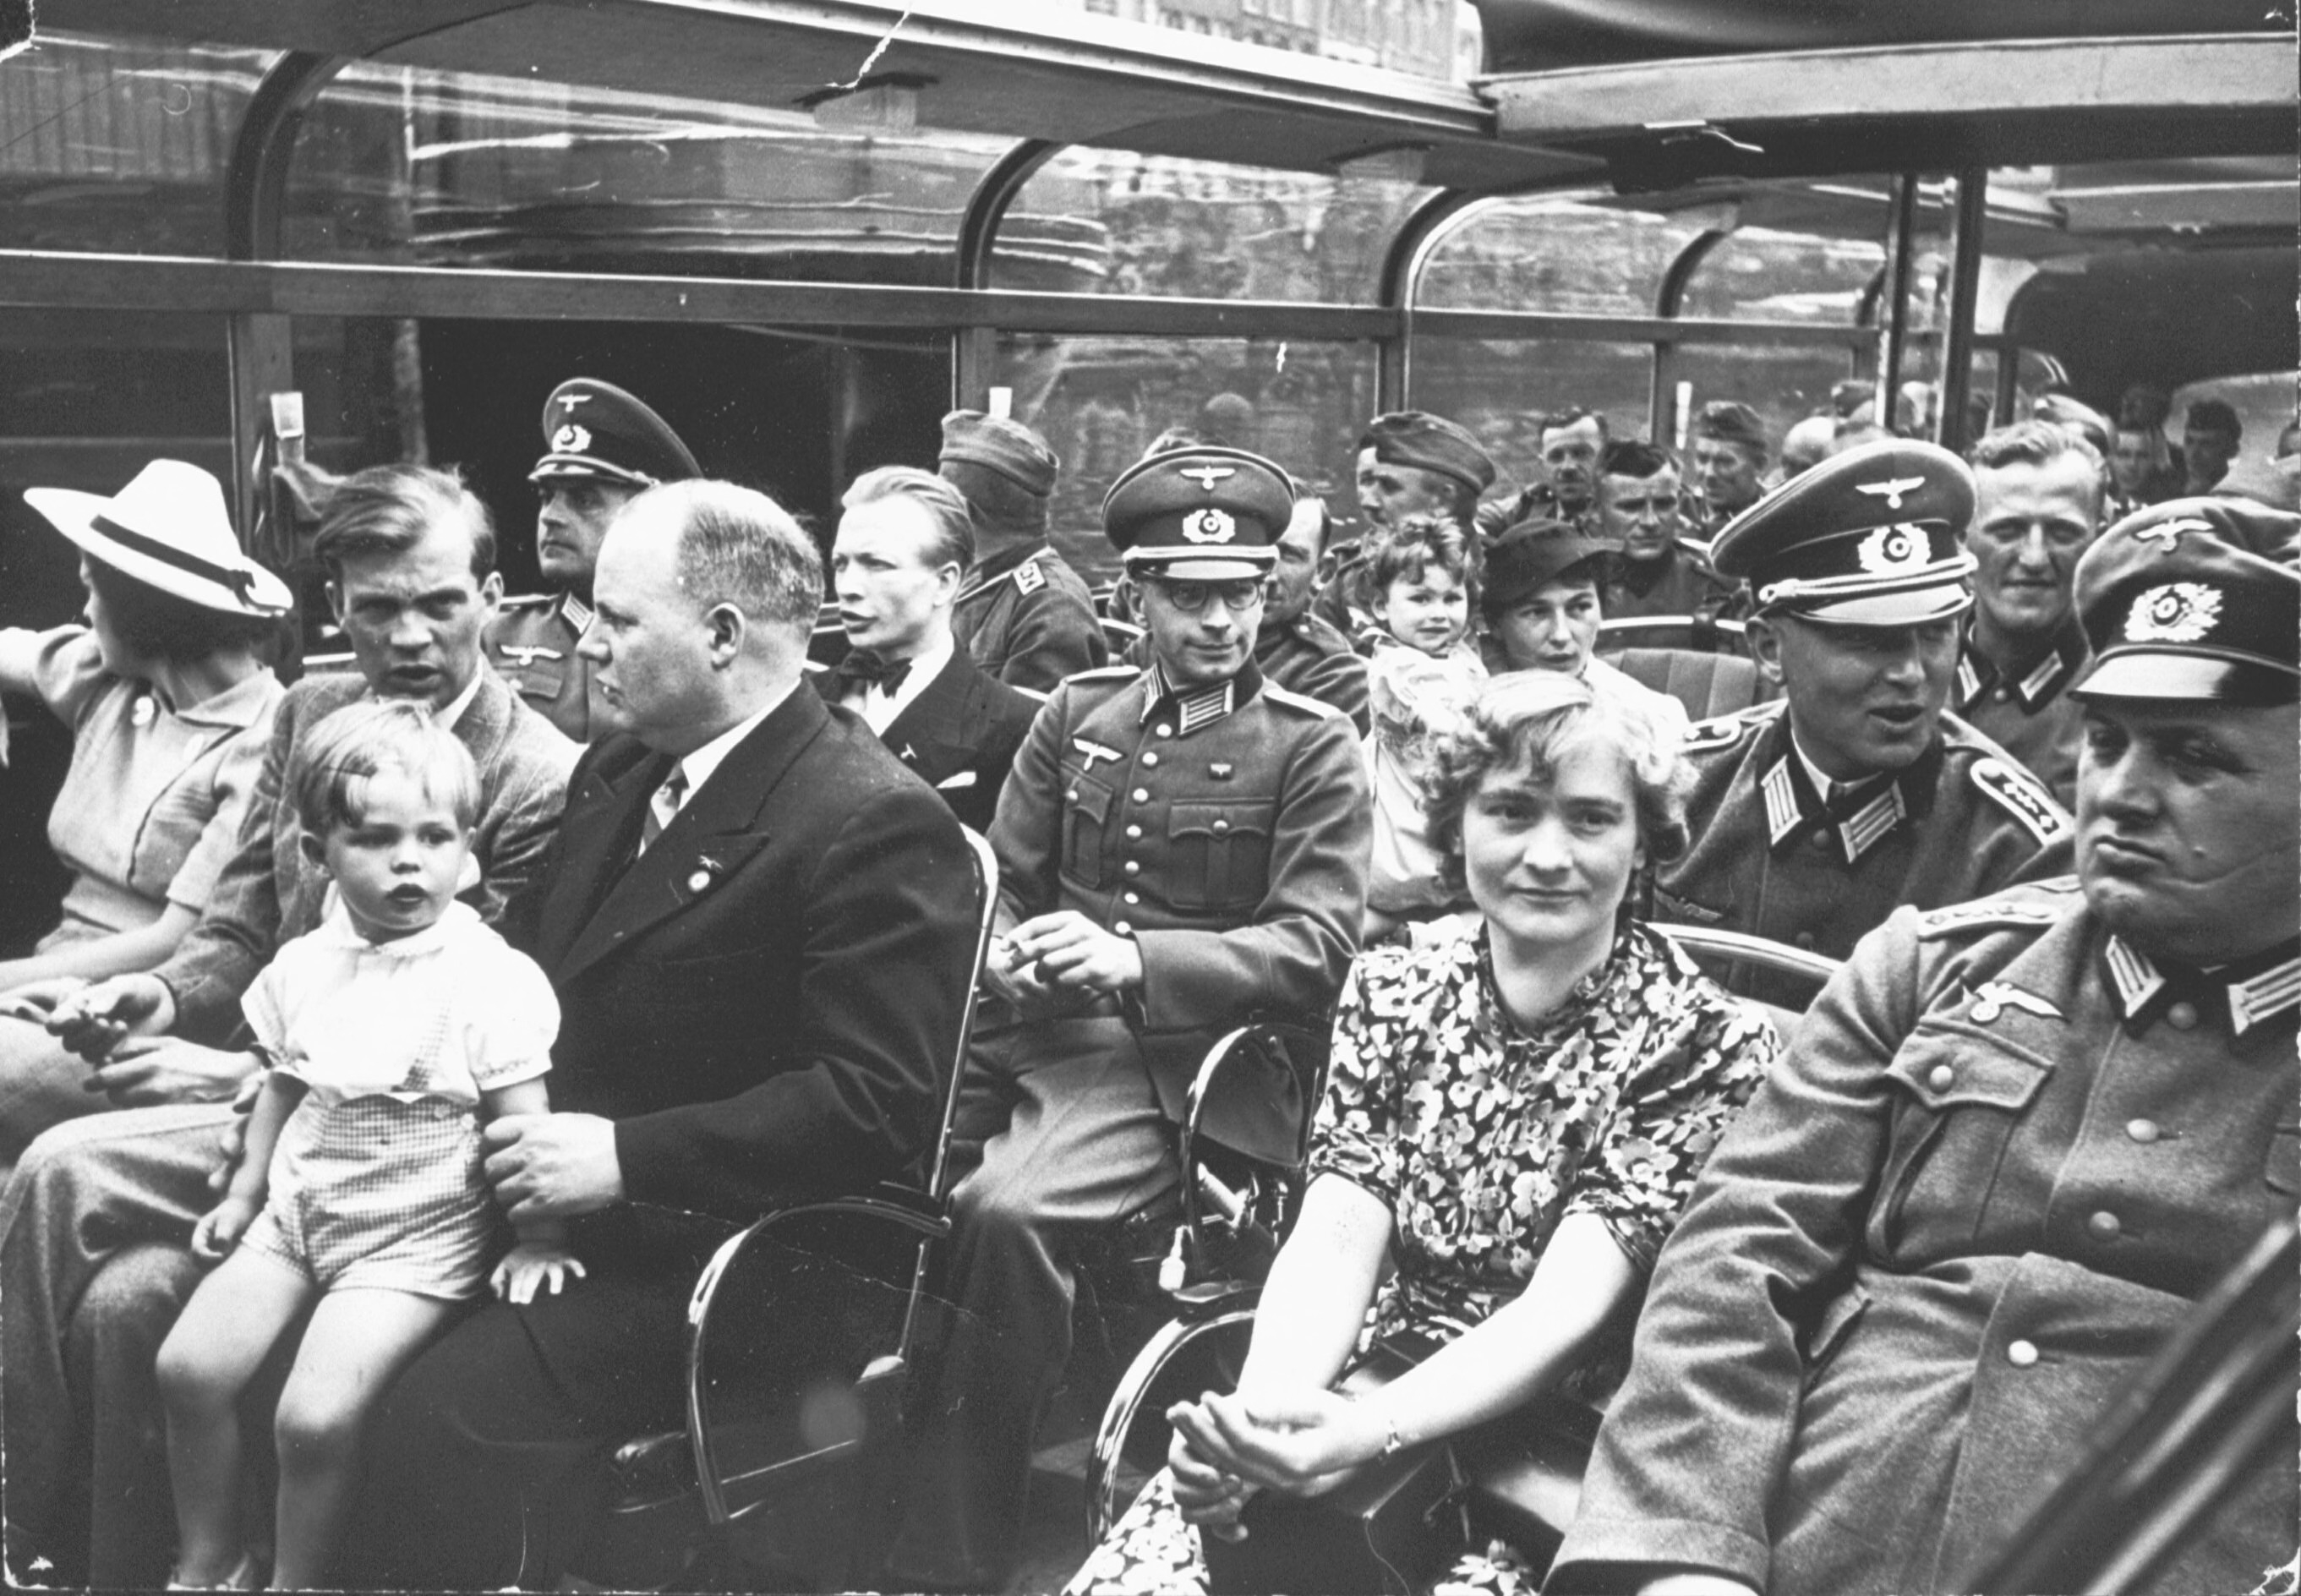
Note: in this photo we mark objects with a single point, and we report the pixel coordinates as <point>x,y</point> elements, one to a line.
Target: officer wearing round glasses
<point>1183,848</point>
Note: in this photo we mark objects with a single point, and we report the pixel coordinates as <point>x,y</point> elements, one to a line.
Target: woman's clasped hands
<point>1295,1442</point>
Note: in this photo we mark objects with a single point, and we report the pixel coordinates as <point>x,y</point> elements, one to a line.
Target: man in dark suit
<point>93,1227</point>
<point>760,928</point>
<point>902,553</point>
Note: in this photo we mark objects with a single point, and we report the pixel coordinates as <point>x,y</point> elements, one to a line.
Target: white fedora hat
<point>169,530</point>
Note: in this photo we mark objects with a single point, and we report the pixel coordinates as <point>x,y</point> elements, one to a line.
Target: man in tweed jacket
<point>411,554</point>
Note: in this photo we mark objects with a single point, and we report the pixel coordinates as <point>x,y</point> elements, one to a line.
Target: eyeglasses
<point>1192,597</point>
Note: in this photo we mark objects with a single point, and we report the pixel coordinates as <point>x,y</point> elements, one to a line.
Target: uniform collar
<point>1861,814</point>
<point>2034,684</point>
<point>575,613</point>
<point>1641,576</point>
<point>1198,707</point>
<point>2250,992</point>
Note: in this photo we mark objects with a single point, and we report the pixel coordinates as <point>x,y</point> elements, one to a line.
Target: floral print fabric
<point>1481,1137</point>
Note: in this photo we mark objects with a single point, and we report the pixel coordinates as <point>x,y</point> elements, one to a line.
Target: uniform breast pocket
<point>1958,1097</point>
<point>1220,852</point>
<point>539,679</point>
<point>1086,809</point>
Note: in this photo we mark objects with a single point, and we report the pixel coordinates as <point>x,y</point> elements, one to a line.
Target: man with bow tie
<point>906,541</point>
<point>1815,816</point>
<point>759,928</point>
<point>1183,849</point>
<point>2009,1148</point>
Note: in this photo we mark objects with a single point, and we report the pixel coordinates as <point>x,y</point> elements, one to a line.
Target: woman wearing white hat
<point>171,702</point>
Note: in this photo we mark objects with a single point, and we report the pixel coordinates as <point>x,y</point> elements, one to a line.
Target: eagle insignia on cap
<point>1891,491</point>
<point>2165,534</point>
<point>570,439</point>
<point>1207,476</point>
<point>1892,548</point>
<point>2176,613</point>
<point>1210,525</point>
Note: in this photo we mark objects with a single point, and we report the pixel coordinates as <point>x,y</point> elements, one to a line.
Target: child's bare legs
<point>358,1341</point>
<point>219,1341</point>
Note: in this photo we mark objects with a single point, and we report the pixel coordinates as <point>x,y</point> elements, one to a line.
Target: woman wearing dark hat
<point>170,699</point>
<point>1542,605</point>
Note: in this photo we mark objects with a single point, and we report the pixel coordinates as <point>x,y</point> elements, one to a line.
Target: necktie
<point>663,806</point>
<point>864,668</point>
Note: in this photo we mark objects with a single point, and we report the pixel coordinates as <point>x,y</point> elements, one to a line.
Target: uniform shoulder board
<point>1028,577</point>
<point>1317,707</point>
<point>2022,796</point>
<point>1704,737</point>
<point>2006,911</point>
<point>526,601</point>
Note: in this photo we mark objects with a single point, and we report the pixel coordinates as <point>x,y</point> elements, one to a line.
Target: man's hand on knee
<point>148,1073</point>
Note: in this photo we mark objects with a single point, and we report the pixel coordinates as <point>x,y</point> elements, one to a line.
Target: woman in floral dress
<point>1513,1117</point>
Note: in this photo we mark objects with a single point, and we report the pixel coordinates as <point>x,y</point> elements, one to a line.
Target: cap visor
<point>1887,609</point>
<point>2153,673</point>
<point>553,466</point>
<point>1202,568</point>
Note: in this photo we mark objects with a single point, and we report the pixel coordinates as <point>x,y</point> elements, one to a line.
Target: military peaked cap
<point>2195,598</point>
<point>594,429</point>
<point>1202,514</point>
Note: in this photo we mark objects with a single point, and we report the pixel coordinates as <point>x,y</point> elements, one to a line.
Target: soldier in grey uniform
<point>1661,570</point>
<point>1571,440</point>
<point>1410,463</point>
<point>2038,491</point>
<point>2012,1145</point>
<point>1730,454</point>
<point>1183,849</point>
<point>1295,647</point>
<point>1024,616</point>
<point>600,448</point>
<point>1814,817</point>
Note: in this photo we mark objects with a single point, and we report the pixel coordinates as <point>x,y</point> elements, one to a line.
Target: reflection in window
<point>463,169</point>
<point>1100,401</point>
<point>119,146</point>
<point>1562,254</point>
<point>1111,222</point>
<point>1759,275</point>
<point>1501,388</point>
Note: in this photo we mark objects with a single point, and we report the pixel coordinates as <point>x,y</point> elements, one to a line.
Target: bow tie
<point>867,668</point>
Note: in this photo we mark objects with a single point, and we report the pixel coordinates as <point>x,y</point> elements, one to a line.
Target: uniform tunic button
<point>1150,759</point>
<point>2105,1226</point>
<point>1823,842</point>
<point>1132,867</point>
<point>2022,1353</point>
<point>1164,730</point>
<point>2144,1131</point>
<point>1134,897</point>
<point>1942,1077</point>
<point>2182,1016</point>
<point>1072,795</point>
<point>1221,826</point>
<point>1133,831</point>
<point>1121,927</point>
<point>1141,795</point>
<point>1804,939</point>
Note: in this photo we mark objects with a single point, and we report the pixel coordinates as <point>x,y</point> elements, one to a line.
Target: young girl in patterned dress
<point>392,1031</point>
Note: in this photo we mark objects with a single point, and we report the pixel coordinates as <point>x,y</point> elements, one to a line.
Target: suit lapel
<point>708,840</point>
<point>938,716</point>
<point>597,834</point>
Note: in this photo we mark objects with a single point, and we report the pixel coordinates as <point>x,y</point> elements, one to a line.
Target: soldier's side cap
<point>1429,443</point>
<point>1732,421</point>
<point>2196,598</point>
<point>1200,515</point>
<point>1001,445</point>
<point>1531,553</point>
<point>594,429</point>
<point>1869,538</point>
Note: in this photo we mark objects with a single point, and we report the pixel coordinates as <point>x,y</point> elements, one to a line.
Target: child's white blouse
<point>447,1012</point>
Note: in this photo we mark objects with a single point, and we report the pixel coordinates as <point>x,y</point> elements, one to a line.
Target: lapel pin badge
<point>708,870</point>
